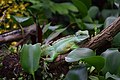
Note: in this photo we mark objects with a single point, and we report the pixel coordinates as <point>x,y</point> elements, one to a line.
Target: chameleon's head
<point>81,35</point>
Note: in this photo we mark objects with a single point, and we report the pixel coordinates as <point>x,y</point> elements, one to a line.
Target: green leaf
<point>69,6</point>
<point>81,7</point>
<point>78,54</point>
<point>77,73</point>
<point>116,41</point>
<point>112,61</point>
<point>109,20</point>
<point>24,21</point>
<point>96,61</point>
<point>45,28</point>
<point>93,9</point>
<point>87,3</point>
<point>60,9</point>
<point>29,57</point>
<point>54,34</point>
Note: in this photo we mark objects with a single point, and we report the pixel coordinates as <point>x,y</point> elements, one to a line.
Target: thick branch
<point>105,36</point>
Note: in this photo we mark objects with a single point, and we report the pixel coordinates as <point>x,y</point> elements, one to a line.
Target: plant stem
<point>33,76</point>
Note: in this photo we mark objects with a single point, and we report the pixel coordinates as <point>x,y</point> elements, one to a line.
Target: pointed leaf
<point>54,34</point>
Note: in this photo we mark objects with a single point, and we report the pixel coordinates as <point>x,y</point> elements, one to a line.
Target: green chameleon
<point>63,45</point>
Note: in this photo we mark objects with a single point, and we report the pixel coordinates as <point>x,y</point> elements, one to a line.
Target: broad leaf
<point>77,73</point>
<point>112,61</point>
<point>96,61</point>
<point>79,54</point>
<point>29,57</point>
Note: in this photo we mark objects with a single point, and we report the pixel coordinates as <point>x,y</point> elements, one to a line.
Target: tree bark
<point>104,37</point>
<point>16,34</point>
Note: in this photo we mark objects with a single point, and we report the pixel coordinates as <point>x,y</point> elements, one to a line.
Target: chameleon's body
<point>63,45</point>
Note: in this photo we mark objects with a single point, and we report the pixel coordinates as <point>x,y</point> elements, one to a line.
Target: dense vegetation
<point>50,34</point>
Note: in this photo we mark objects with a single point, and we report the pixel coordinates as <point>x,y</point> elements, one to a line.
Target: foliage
<point>29,58</point>
<point>84,63</point>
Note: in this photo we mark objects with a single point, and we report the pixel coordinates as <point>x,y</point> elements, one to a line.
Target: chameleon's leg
<point>74,46</point>
<point>52,57</point>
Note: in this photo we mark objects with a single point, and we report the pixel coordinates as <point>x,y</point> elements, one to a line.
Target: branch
<point>16,34</point>
<point>104,37</point>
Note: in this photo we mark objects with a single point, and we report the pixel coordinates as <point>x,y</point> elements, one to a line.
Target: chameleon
<point>63,45</point>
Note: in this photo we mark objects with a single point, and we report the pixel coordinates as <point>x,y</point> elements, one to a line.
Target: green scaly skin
<point>62,46</point>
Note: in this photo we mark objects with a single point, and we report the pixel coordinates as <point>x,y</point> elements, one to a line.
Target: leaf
<point>81,7</point>
<point>97,61</point>
<point>112,61</point>
<point>69,6</point>
<point>45,28</point>
<point>87,3</point>
<point>93,9</point>
<point>109,12</point>
<point>54,34</point>
<point>24,21</point>
<point>60,9</point>
<point>92,26</point>
<point>115,77</point>
<point>77,73</point>
<point>78,54</point>
<point>116,41</point>
<point>109,20</point>
<point>93,78</point>
<point>29,57</point>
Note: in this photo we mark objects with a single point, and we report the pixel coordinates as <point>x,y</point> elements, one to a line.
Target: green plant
<point>29,58</point>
